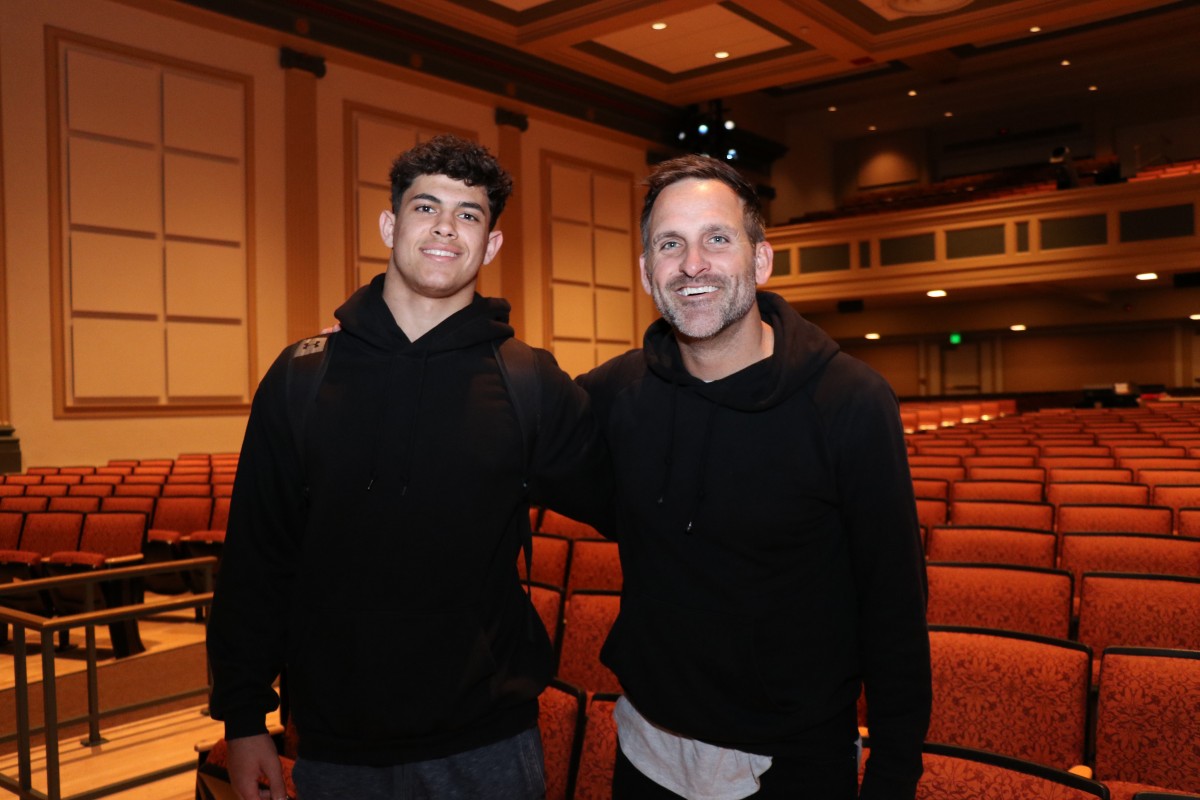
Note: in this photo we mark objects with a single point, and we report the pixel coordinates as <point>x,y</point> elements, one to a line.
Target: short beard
<point>741,295</point>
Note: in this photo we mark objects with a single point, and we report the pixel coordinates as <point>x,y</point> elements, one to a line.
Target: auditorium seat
<point>939,472</point>
<point>1014,694</point>
<point>11,490</point>
<point>933,488</point>
<point>174,518</point>
<point>985,473</point>
<point>997,460</point>
<point>587,618</point>
<point>1175,497</point>
<point>1189,522</point>
<point>1133,553</point>
<point>562,525</point>
<point>1003,513</point>
<point>1147,725</point>
<point>1028,491</point>
<point>548,602</point>
<point>1022,599</point>
<point>561,721</point>
<point>1176,477</point>
<point>551,557</point>
<point>1124,610</point>
<point>1077,462</point>
<point>962,773</point>
<point>90,490</point>
<point>1088,474</point>
<point>46,490</point>
<point>598,754</point>
<point>28,505</point>
<point>931,511</point>
<point>991,545</point>
<point>926,460</point>
<point>82,504</point>
<point>1108,518</point>
<point>595,564</point>
<point>1129,494</point>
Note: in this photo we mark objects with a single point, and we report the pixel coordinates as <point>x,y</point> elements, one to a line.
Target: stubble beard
<point>739,295</point>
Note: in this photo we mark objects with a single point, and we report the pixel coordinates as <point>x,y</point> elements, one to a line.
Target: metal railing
<point>47,628</point>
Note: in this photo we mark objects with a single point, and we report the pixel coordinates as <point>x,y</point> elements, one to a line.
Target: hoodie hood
<point>801,351</point>
<point>366,316</point>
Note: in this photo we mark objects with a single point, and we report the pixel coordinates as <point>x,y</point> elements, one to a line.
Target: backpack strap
<point>305,370</point>
<point>519,369</point>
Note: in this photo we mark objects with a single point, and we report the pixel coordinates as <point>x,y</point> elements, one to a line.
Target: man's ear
<point>495,239</point>
<point>764,261</point>
<point>387,227</point>
<point>645,276</point>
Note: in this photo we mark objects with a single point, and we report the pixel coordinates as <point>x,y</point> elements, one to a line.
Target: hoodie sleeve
<point>572,472</point>
<point>246,641</point>
<point>866,441</point>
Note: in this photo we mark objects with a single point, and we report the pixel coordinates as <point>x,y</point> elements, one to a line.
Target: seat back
<point>81,504</point>
<point>1137,553</point>
<point>1028,491</point>
<point>144,505</point>
<point>587,619</point>
<point>595,564</point>
<point>220,514</point>
<point>960,773</point>
<point>90,490</point>
<point>996,473</point>
<point>561,720</point>
<point>1021,599</point>
<point>551,555</point>
<point>939,472</point>
<point>10,529</point>
<point>51,531</point>
<point>548,602</point>
<point>46,490</point>
<point>931,511</point>
<point>1174,477</point>
<point>1109,518</point>
<point>554,522</point>
<point>1119,609</point>
<point>182,514</point>
<point>1088,474</point>
<point>1147,724</point>
<point>113,533</point>
<point>1003,513</point>
<point>1175,497</point>
<point>991,545</point>
<point>933,488</point>
<point>1083,492</point>
<point>1188,522</point>
<point>26,504</point>
<point>598,755</point>
<point>1015,694</point>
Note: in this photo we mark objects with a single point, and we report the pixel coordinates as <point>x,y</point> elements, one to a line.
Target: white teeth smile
<point>446,253</point>
<point>688,291</point>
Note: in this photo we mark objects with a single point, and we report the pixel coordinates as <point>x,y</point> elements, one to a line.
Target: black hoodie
<point>770,549</point>
<point>382,571</point>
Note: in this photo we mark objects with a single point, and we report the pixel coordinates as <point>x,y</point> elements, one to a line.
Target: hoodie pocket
<point>688,668</point>
<point>391,677</point>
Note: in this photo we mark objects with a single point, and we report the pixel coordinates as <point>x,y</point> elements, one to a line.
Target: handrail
<point>23,622</point>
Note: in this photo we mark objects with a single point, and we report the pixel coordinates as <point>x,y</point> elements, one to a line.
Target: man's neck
<point>416,314</point>
<point>746,342</point>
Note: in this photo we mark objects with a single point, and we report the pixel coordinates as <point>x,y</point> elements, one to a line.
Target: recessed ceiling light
<point>871,128</point>
<point>1147,276</point>
<point>948,114</point>
<point>730,124</point>
<point>1066,62</point>
<point>658,26</point>
<point>912,92</point>
<point>1093,88</point>
<point>936,293</point>
<point>1036,29</point>
<point>833,108</point>
<point>722,54</point>
<point>1017,327</point>
<point>872,336</point>
<point>1194,316</point>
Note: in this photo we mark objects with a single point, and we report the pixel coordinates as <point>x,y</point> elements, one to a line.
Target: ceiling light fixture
<point>721,54</point>
<point>1147,276</point>
<point>1194,316</point>
<point>936,293</point>
<point>833,108</point>
<point>871,128</point>
<point>948,114</point>
<point>912,92</point>
<point>871,336</point>
<point>1036,29</point>
<point>658,26</point>
<point>1018,327</point>
<point>1093,88</point>
<point>1066,62</point>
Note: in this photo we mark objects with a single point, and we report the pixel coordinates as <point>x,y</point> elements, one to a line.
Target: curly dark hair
<point>709,169</point>
<point>456,158</point>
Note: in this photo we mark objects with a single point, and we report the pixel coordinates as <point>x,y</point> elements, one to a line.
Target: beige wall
<point>352,83</point>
